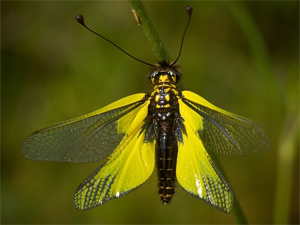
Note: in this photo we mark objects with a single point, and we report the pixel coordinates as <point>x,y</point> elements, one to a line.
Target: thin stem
<point>287,157</point>
<point>149,30</point>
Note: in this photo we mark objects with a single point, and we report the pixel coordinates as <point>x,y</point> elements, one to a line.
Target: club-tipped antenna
<point>189,11</point>
<point>80,20</point>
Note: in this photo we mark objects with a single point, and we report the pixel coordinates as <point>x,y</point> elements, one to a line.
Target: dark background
<point>53,70</point>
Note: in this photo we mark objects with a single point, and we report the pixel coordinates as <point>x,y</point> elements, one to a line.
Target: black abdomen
<point>166,157</point>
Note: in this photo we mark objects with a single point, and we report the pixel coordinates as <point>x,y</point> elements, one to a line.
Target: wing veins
<point>76,140</point>
<point>215,123</point>
<point>226,133</point>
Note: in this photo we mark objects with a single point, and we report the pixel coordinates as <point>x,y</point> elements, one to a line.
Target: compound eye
<point>172,76</point>
<point>153,77</point>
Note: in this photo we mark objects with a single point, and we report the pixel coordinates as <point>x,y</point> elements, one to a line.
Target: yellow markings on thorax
<point>164,89</point>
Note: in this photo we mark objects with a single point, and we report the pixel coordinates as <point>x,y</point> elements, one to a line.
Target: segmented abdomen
<point>166,157</point>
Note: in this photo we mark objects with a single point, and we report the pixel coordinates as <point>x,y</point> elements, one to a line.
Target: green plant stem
<point>287,156</point>
<point>149,30</point>
<point>161,53</point>
<point>288,149</point>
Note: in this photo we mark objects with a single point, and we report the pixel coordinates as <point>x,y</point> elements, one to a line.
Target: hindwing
<point>195,170</point>
<point>129,166</point>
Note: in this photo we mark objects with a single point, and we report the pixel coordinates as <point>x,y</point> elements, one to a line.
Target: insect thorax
<point>165,80</point>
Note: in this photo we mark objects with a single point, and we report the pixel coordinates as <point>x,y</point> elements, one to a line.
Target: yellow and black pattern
<point>169,129</point>
<point>164,124</point>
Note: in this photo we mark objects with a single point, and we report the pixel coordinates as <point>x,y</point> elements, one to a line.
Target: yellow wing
<point>195,171</point>
<point>84,139</point>
<point>223,132</point>
<point>129,166</point>
<point>209,128</point>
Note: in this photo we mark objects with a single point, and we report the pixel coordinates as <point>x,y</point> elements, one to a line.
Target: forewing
<point>197,174</point>
<point>129,166</point>
<point>84,139</point>
<point>223,132</point>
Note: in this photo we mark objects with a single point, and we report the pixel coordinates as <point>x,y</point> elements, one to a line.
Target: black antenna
<point>80,20</point>
<point>189,11</point>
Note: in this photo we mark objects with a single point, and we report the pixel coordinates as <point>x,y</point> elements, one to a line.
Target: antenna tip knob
<point>80,19</point>
<point>189,10</point>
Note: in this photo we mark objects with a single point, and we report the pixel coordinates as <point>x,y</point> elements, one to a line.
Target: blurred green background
<point>241,56</point>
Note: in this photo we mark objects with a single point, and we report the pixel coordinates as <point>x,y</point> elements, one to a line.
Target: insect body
<point>174,130</point>
<point>163,125</point>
